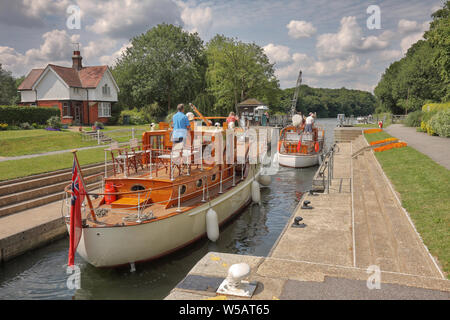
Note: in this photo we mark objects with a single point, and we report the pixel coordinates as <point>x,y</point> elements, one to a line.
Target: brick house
<point>83,94</point>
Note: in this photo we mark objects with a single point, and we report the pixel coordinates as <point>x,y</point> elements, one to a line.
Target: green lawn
<point>376,136</point>
<point>25,167</point>
<point>23,142</point>
<point>424,187</point>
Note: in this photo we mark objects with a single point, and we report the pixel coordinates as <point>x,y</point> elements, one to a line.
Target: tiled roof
<point>87,77</point>
<point>91,76</point>
<point>31,78</point>
<point>69,75</point>
<point>251,102</point>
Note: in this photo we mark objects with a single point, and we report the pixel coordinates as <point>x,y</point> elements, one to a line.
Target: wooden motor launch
<point>157,199</point>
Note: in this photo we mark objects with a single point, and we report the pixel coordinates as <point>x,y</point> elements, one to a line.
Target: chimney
<point>76,60</point>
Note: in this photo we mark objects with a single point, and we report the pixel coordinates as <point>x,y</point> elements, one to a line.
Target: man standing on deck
<point>309,122</point>
<point>180,125</point>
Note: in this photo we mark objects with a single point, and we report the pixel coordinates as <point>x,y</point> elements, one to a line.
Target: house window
<point>76,90</point>
<point>66,109</point>
<point>106,90</point>
<point>104,109</point>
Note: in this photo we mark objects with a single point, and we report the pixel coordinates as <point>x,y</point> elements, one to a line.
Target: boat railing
<point>138,217</point>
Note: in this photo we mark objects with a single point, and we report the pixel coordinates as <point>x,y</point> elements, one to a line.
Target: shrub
<point>429,107</point>
<point>135,117</point>
<point>25,126</point>
<point>99,125</point>
<point>35,125</point>
<point>440,123</point>
<point>54,122</point>
<point>14,115</point>
<point>3,126</point>
<point>414,119</point>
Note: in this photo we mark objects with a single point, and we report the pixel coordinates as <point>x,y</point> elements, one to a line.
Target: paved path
<point>437,148</point>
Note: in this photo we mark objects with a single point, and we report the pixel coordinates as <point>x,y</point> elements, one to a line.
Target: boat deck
<point>124,211</point>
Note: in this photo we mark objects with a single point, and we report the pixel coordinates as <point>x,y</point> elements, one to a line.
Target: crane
<point>297,88</point>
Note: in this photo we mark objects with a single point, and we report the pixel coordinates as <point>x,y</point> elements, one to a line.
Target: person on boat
<point>180,125</point>
<point>309,123</point>
<point>232,118</point>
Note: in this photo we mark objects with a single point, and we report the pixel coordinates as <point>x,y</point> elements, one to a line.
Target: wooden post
<point>84,186</point>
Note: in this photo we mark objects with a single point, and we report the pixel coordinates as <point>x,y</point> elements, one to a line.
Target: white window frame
<point>104,109</point>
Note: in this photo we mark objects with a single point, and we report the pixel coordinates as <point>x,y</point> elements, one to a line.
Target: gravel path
<point>437,148</point>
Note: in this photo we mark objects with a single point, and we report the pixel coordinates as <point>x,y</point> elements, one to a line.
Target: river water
<point>41,273</point>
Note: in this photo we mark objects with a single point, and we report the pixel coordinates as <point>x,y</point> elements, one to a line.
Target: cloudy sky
<point>329,40</point>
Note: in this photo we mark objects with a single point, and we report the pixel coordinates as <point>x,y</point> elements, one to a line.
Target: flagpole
<point>84,186</point>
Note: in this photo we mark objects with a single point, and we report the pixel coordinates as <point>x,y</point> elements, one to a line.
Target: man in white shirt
<point>309,122</point>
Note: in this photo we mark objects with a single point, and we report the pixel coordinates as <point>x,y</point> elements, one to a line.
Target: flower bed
<point>372,130</point>
<point>391,146</point>
<point>383,141</point>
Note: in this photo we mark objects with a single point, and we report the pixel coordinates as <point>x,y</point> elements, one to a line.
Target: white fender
<point>212,225</point>
<point>265,180</point>
<point>256,193</point>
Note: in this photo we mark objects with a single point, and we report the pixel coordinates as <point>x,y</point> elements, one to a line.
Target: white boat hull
<point>114,246</point>
<point>298,161</point>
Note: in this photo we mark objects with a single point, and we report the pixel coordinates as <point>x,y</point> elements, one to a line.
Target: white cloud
<point>349,39</point>
<point>30,13</point>
<point>196,19</point>
<point>98,48</point>
<point>390,55</point>
<point>110,60</point>
<point>300,29</point>
<point>57,49</point>
<point>414,32</point>
<point>126,18</point>
<point>405,26</point>
<point>277,53</point>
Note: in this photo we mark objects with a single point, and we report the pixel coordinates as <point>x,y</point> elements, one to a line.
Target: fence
<point>118,135</point>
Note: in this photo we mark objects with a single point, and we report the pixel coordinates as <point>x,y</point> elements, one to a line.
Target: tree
<point>439,38</point>
<point>164,65</point>
<point>423,75</point>
<point>8,88</point>
<point>237,71</point>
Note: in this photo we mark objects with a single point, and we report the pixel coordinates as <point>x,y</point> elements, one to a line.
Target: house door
<point>77,111</point>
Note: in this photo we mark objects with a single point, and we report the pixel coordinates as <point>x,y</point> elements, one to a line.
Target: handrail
<point>146,190</point>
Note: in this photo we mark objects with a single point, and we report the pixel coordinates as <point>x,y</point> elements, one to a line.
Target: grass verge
<point>21,168</point>
<point>424,188</point>
<point>23,142</point>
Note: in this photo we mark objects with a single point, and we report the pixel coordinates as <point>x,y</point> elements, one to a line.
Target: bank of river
<point>41,274</point>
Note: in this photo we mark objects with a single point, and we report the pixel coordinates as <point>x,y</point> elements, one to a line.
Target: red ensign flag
<point>75,213</point>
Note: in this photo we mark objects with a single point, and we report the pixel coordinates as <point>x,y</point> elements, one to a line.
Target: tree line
<point>423,75</point>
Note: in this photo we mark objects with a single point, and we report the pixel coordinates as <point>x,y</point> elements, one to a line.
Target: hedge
<point>435,106</point>
<point>16,115</point>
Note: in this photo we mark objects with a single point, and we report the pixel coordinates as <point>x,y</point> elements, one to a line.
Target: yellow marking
<point>217,298</point>
<point>224,265</point>
<point>214,258</point>
<point>275,298</point>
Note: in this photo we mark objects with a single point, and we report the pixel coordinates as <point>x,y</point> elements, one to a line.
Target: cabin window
<point>183,189</point>
<point>66,109</point>
<point>104,109</point>
<point>137,187</point>
<point>199,183</point>
<point>106,90</point>
<point>213,177</point>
